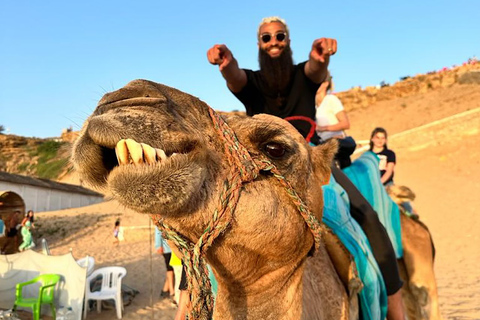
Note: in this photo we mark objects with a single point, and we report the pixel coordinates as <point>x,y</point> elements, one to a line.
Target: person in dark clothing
<point>284,89</point>
<point>378,145</point>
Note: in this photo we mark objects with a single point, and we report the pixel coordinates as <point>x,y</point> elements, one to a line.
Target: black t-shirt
<point>386,156</point>
<point>299,99</point>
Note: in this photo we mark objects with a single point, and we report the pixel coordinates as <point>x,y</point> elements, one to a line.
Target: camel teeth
<point>149,153</point>
<point>121,151</point>
<point>135,149</point>
<point>161,154</point>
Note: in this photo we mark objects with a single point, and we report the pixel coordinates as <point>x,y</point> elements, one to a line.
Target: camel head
<point>159,151</point>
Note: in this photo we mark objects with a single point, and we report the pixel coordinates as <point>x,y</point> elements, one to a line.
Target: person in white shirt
<point>332,121</point>
<point>330,116</point>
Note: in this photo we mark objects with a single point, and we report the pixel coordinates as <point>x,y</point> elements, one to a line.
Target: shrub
<point>23,166</point>
<point>48,150</point>
<point>51,169</point>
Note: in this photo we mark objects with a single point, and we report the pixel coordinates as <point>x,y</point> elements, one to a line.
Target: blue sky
<point>57,58</point>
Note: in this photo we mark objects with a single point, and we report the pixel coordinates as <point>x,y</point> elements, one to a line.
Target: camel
<point>416,267</point>
<point>241,193</point>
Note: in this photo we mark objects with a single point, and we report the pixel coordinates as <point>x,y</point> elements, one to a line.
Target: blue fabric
<point>336,215</point>
<point>213,281</point>
<point>161,242</point>
<point>365,175</point>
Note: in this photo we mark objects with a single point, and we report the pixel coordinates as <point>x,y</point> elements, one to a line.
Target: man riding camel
<point>285,89</point>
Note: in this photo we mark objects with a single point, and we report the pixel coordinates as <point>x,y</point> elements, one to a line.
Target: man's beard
<point>276,72</point>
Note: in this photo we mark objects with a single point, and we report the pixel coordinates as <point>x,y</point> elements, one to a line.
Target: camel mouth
<point>128,156</point>
<point>144,151</point>
<point>146,178</point>
<point>128,152</point>
<point>107,146</point>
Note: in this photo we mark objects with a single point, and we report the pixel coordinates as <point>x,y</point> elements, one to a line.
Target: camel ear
<point>322,157</point>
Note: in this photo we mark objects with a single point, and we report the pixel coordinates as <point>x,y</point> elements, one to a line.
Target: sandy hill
<point>412,102</point>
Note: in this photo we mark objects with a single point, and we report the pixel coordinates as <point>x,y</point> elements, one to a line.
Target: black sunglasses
<point>267,37</point>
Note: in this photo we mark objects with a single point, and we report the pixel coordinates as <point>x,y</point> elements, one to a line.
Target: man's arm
<point>316,68</point>
<point>220,55</point>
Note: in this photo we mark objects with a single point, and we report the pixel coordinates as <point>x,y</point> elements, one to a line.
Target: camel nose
<point>134,89</point>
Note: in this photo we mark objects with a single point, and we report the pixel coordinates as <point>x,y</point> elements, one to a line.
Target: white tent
<point>24,266</point>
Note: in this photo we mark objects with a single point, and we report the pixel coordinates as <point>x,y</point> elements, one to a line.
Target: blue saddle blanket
<point>336,215</point>
<point>365,175</point>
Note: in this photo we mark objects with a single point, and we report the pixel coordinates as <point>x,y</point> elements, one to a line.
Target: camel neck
<point>275,295</point>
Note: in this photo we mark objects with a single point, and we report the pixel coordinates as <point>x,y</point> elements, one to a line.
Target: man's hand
<point>160,250</point>
<point>220,55</point>
<point>323,48</point>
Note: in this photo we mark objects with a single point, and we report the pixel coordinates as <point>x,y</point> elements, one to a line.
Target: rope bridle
<point>244,169</point>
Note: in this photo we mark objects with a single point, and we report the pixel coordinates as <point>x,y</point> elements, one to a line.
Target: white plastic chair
<point>111,288</point>
<point>87,262</point>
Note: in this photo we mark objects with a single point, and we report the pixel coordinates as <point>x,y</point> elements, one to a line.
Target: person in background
<point>330,115</point>
<point>378,145</point>
<point>184,304</point>
<point>284,89</point>
<point>162,247</point>
<point>332,121</point>
<point>27,238</point>
<point>11,231</point>
<point>29,217</point>
<point>182,296</point>
<point>118,233</point>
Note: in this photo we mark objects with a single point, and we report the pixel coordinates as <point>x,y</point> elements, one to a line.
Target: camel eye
<point>275,150</point>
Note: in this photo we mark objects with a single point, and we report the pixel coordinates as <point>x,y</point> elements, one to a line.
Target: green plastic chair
<point>45,294</point>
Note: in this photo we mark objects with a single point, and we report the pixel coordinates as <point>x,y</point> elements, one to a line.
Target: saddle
<point>347,245</point>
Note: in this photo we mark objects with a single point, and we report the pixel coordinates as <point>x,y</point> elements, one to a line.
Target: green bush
<point>48,150</point>
<point>23,166</point>
<point>51,169</point>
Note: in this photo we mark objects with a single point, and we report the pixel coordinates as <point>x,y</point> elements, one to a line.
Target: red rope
<point>313,125</point>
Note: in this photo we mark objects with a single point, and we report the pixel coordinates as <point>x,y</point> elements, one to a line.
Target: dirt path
<point>442,166</point>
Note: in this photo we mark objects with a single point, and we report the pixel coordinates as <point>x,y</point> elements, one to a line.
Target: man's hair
<point>270,20</point>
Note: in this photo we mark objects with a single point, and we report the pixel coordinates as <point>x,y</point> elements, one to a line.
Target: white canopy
<point>24,266</point>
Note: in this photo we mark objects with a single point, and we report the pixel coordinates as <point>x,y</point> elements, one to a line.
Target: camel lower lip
<point>157,184</point>
<point>135,169</point>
